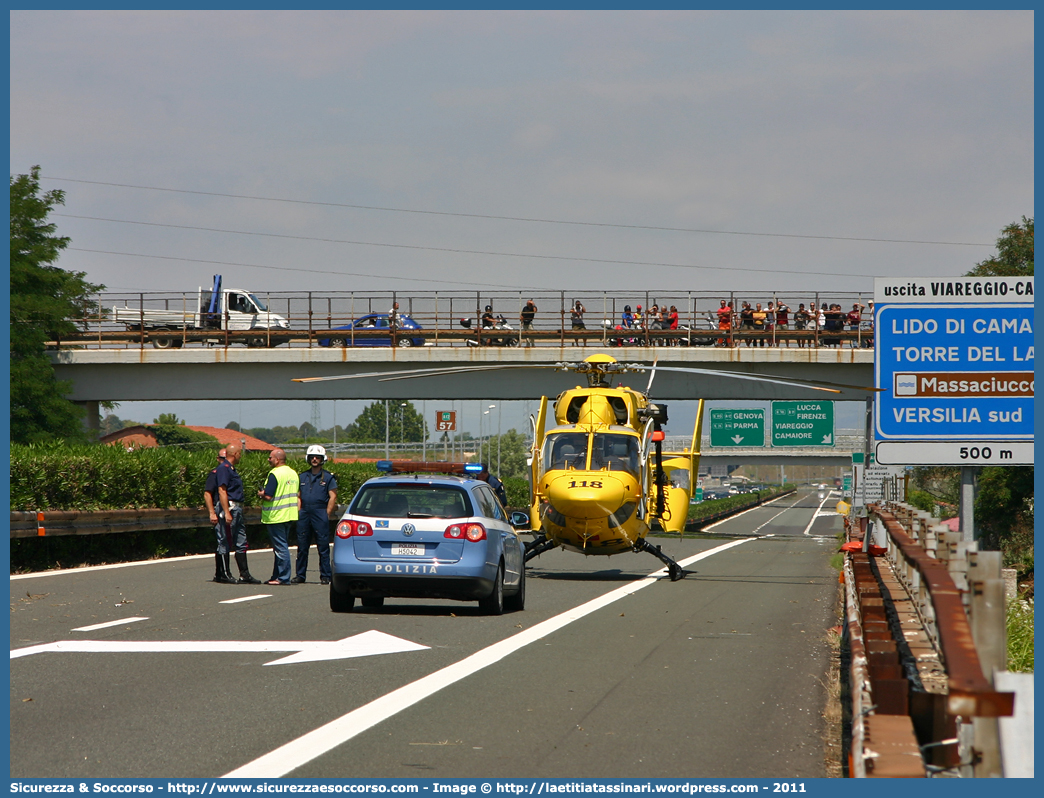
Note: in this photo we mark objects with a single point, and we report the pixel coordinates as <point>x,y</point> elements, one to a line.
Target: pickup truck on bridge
<point>217,309</point>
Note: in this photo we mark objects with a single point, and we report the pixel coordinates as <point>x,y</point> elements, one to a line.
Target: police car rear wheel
<point>493,604</point>
<point>517,602</point>
<point>341,602</point>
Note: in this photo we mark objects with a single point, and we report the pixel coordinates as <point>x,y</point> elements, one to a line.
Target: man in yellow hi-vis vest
<point>278,511</point>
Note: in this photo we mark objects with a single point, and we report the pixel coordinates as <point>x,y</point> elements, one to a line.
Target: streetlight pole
<point>402,425</point>
<point>485,459</point>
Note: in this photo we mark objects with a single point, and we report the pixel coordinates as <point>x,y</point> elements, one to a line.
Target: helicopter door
<point>536,467</point>
<point>646,470</point>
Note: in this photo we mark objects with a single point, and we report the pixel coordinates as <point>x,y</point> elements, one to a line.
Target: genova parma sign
<point>954,362</point>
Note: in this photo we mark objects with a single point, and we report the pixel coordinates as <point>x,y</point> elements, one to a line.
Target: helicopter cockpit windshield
<point>614,452</point>
<point>565,450</point>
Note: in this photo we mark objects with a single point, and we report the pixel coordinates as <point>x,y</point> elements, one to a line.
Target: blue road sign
<point>954,368</point>
<point>954,372</point>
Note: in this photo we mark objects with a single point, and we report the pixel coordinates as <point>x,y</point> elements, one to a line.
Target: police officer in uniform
<point>279,504</point>
<point>317,501</point>
<point>232,528</point>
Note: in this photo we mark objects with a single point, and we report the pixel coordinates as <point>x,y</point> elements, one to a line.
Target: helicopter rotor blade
<point>384,376</point>
<point>652,376</point>
<point>828,387</point>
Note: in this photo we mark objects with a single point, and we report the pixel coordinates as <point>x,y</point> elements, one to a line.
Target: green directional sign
<point>802,423</point>
<point>743,426</point>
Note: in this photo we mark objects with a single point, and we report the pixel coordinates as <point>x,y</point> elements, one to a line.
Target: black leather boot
<point>244,573</point>
<point>222,573</point>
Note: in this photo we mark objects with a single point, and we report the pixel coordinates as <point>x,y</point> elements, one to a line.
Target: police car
<point>415,533</point>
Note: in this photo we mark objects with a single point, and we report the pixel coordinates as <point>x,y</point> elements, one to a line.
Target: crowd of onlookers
<point>778,319</point>
<point>773,324</point>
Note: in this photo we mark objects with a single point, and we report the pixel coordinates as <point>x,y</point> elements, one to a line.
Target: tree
<point>513,449</point>
<point>404,423</point>
<point>113,423</point>
<point>1014,256</point>
<point>233,425</point>
<point>169,420</point>
<point>45,301</point>
<point>175,435</point>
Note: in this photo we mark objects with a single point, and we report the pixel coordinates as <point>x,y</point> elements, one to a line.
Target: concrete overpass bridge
<point>228,373</point>
<point>141,374</point>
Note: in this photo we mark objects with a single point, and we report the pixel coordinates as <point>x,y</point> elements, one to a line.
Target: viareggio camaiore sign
<point>954,362</point>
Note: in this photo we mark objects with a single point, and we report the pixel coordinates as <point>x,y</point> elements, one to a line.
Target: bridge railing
<point>316,316</point>
<point>926,625</point>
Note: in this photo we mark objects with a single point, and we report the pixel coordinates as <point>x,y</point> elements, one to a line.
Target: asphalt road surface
<point>607,673</point>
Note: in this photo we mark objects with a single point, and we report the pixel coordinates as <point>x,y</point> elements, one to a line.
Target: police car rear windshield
<point>407,500</point>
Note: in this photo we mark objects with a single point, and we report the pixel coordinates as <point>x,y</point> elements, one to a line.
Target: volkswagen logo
<point>408,529</point>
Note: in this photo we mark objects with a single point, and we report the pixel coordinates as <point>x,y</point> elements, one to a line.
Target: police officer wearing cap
<point>317,501</point>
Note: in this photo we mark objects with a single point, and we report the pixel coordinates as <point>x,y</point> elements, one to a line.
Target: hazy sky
<point>368,150</point>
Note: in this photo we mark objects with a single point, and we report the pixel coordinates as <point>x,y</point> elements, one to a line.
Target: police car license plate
<point>407,549</point>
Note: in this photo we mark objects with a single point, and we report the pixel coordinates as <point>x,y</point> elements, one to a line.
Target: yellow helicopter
<point>600,481</point>
<point>599,478</point>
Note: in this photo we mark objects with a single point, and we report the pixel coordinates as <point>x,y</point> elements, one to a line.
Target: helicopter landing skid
<point>674,570</point>
<point>538,546</point>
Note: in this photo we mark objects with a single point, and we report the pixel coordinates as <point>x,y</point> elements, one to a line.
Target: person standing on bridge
<point>317,501</point>
<point>279,502</point>
<point>576,321</point>
<point>232,528</point>
<point>529,311</point>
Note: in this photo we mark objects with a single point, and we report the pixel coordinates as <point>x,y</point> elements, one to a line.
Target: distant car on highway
<point>370,325</point>
<point>428,535</point>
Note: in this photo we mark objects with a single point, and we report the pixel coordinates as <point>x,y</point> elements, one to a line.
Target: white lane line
<point>310,746</point>
<point>107,624</point>
<point>749,510</point>
<point>816,514</point>
<point>92,568</point>
<point>246,598</point>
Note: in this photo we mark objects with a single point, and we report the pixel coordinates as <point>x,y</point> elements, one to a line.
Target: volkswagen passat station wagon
<point>414,533</point>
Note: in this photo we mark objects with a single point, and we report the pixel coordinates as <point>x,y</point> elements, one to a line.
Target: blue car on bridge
<point>375,331</point>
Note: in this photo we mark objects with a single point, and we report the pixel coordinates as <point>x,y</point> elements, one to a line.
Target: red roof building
<point>142,436</point>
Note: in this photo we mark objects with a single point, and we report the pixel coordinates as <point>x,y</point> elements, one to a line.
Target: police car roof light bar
<point>429,467</point>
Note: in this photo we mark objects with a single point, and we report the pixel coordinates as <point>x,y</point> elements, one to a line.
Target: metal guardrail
<point>54,523</point>
<point>926,623</point>
<point>315,315</point>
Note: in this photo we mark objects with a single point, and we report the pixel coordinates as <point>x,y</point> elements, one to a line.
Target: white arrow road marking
<point>364,645</point>
<point>315,743</point>
<point>107,624</point>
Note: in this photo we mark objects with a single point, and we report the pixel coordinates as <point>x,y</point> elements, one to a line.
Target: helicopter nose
<point>589,494</point>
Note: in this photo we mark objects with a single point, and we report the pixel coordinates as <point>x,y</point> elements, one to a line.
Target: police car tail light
<point>472,532</point>
<point>357,529</point>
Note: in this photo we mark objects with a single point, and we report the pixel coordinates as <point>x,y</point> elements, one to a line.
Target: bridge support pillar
<point>92,419</point>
